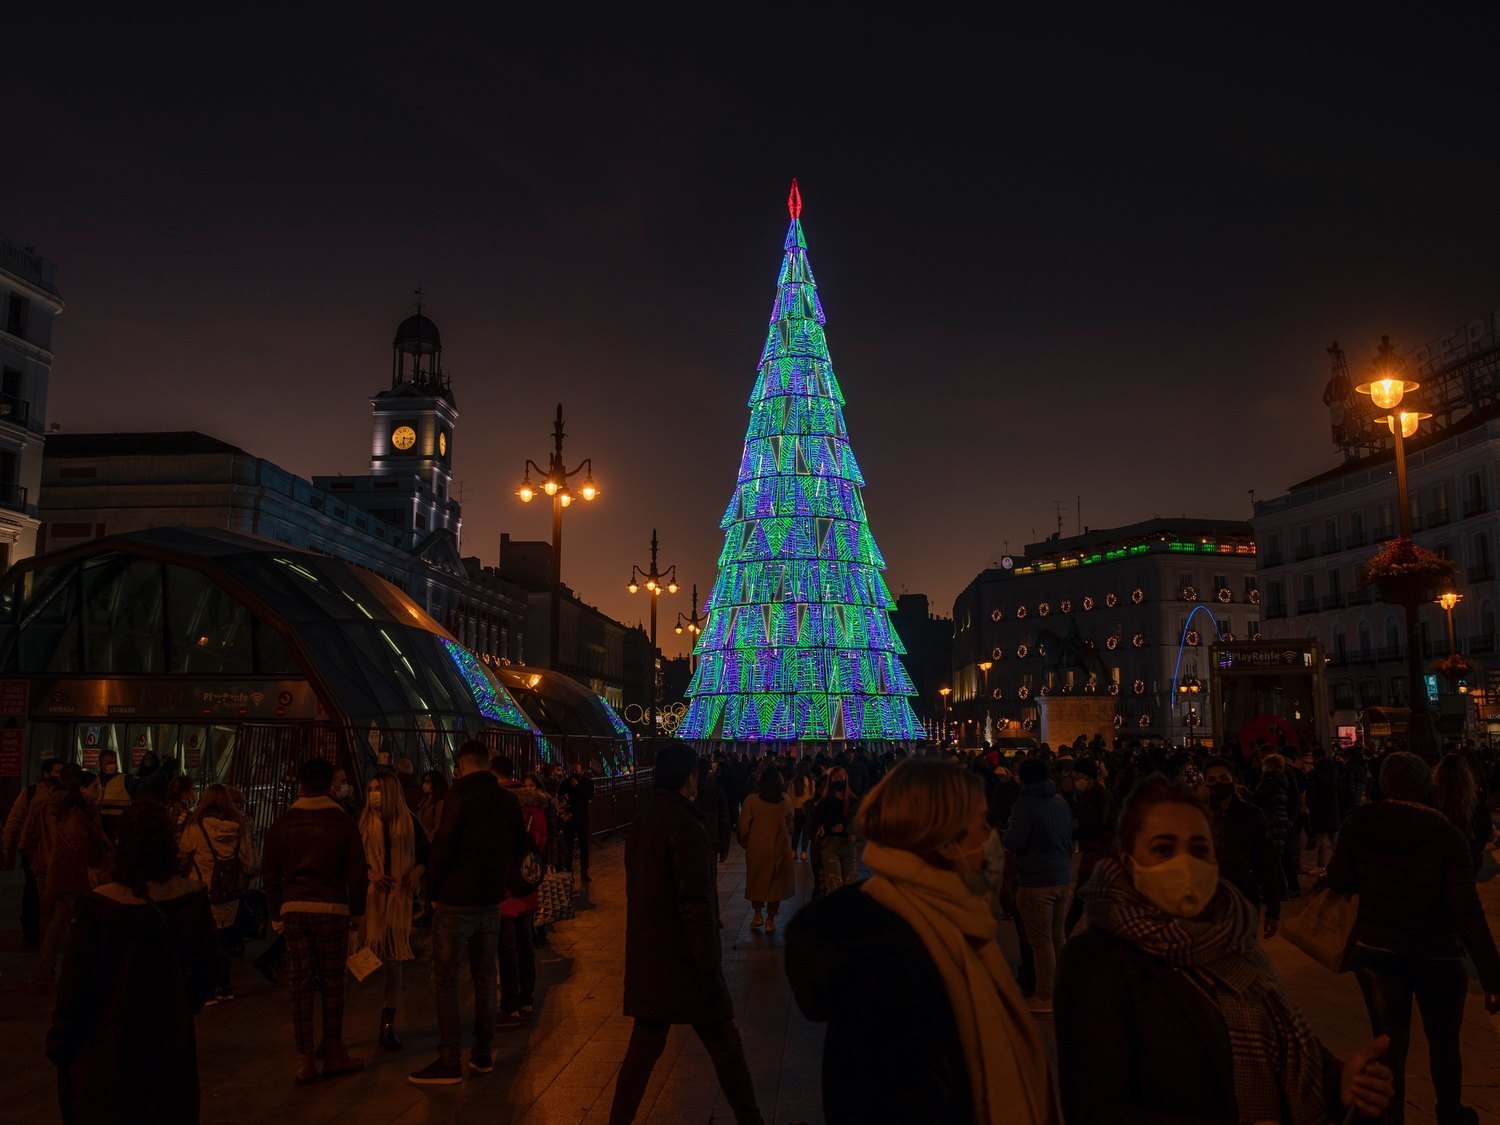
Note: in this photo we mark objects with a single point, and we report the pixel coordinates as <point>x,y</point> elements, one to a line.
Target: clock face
<point>404,438</point>
<point>442,444</point>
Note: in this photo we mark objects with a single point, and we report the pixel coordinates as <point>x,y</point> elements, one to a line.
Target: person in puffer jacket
<point>218,836</point>
<point>517,957</point>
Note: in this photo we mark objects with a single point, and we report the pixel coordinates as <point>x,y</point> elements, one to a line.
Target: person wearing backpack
<point>220,854</point>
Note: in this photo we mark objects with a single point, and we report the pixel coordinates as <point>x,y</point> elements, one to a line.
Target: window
<point>1331,530</point>
<point>1273,549</point>
<point>1365,641</point>
<point>1398,690</point>
<point>1385,523</point>
<point>1276,594</point>
<point>1356,523</point>
<point>1221,582</point>
<point>1309,587</point>
<point>1474,494</point>
<point>1392,633</point>
<point>1304,536</point>
<point>1343,695</point>
<point>1335,584</point>
<point>16,315</point>
<point>1340,649</point>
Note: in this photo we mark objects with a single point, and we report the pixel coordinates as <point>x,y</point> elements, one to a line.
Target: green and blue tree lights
<point>797,642</point>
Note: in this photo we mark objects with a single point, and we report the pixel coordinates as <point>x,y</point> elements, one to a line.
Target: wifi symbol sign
<point>257,697</point>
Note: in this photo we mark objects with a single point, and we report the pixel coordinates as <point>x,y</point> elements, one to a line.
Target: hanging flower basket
<point>1406,574</point>
<point>1453,667</point>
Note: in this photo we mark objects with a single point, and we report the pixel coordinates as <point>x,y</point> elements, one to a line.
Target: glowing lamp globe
<point>550,486</point>
<point>672,587</point>
<point>589,489</point>
<point>677,629</point>
<point>633,588</point>
<point>526,492</point>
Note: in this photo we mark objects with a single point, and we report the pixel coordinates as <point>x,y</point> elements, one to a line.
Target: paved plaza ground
<point>562,1069</point>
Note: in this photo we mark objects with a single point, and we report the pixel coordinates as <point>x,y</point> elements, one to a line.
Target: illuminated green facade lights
<point>798,642</point>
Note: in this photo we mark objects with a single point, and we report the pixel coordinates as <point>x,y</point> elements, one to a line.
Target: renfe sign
<point>1279,658</point>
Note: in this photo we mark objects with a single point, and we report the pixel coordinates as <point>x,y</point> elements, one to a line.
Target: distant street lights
<point>693,625</point>
<point>554,482</point>
<point>1387,387</point>
<point>656,582</point>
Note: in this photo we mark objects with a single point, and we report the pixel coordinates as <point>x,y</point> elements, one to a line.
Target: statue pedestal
<point>1065,717</point>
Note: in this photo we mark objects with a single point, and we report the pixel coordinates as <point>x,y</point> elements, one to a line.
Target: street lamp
<point>693,625</point>
<point>985,666</point>
<point>1189,687</point>
<point>945,692</point>
<point>1448,601</point>
<point>656,583</point>
<point>554,482</point>
<point>1387,388</point>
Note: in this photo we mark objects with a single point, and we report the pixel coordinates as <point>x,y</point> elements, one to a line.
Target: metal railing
<point>1307,605</point>
<point>1333,601</point>
<point>1304,551</point>
<point>1330,546</point>
<point>1480,572</point>
<point>15,409</point>
<point>1392,652</point>
<point>12,495</point>
<point>1473,506</point>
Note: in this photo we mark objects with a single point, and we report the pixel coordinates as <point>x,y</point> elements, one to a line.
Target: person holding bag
<point>1418,913</point>
<point>1168,1010</point>
<point>221,855</point>
<point>396,858</point>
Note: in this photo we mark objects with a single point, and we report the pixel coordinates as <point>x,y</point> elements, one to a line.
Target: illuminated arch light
<point>1023,692</point>
<point>1028,723</point>
<point>1139,640</point>
<point>1138,686</point>
<point>1190,593</point>
<point>1090,688</point>
<point>1119,720</point>
<point>1226,595</point>
<point>1111,600</point>
<point>998,693</point>
<point>1020,611</point>
<point>1137,596</point>
<point>997,614</point>
<point>1191,638</point>
<point>1114,689</point>
<point>1045,689</point>
<point>1022,651</point>
<point>1088,603</point>
<point>1090,644</point>
<point>1112,643</point>
<point>997,653</point>
<point>1146,719</point>
<point>1044,608</point>
<point>1227,638</point>
<point>1255,597</point>
<point>1065,606</point>
<point>1255,636</point>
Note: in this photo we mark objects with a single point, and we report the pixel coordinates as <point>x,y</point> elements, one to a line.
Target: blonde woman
<point>946,1027</point>
<point>221,855</point>
<point>765,832</point>
<point>396,857</point>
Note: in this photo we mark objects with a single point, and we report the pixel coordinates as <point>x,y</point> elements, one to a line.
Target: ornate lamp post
<point>1188,688</point>
<point>1448,601</point>
<point>693,625</point>
<point>985,666</point>
<point>554,482</point>
<point>656,582</point>
<point>1387,388</point>
<point>944,692</point>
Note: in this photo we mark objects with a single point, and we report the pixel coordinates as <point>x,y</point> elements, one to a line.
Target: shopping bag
<point>1321,924</point>
<point>363,962</point>
<point>555,898</point>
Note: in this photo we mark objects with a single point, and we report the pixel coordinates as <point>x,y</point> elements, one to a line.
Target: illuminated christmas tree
<point>798,643</point>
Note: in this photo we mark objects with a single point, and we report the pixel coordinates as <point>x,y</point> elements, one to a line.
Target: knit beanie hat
<point>1404,777</point>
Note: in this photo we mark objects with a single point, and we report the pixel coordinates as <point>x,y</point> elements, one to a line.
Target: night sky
<point>1057,261</point>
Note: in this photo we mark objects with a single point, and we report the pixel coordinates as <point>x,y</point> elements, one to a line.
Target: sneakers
<point>307,1070</point>
<point>512,1019</point>
<point>438,1073</point>
<point>757,922</point>
<point>338,1062</point>
<point>1039,1007</point>
<point>527,1011</point>
<point>479,1064</point>
<point>771,924</point>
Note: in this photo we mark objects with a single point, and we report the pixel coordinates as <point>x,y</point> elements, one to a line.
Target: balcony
<point>1363,656</point>
<point>1333,601</point>
<point>15,410</point>
<point>1437,519</point>
<point>1329,547</point>
<point>1482,645</point>
<point>1360,595</point>
<point>1381,534</point>
<point>1391,652</point>
<point>1474,506</point>
<point>1480,572</point>
<point>1272,558</point>
<point>1305,551</point>
<point>1338,660</point>
<point>1307,605</point>
<point>12,495</point>
<point>1275,612</point>
<point>1356,539</point>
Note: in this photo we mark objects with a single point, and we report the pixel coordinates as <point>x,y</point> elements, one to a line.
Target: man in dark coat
<point>673,967</point>
<point>577,791</point>
<point>1243,845</point>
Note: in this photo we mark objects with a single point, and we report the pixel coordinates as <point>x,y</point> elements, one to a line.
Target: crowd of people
<point>1164,1007</point>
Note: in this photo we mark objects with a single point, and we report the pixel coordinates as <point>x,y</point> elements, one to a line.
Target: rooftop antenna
<point>1057,504</point>
<point>1079,525</point>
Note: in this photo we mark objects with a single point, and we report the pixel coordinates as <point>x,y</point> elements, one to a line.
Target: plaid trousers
<point>316,946</point>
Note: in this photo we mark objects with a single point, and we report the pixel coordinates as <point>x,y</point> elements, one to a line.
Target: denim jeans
<point>517,963</point>
<point>838,858</point>
<point>457,933</point>
<point>1044,910</point>
<point>725,1050</point>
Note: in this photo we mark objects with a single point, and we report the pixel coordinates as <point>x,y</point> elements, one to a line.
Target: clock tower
<point>414,419</point>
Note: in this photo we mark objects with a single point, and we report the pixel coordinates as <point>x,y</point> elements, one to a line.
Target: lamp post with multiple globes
<point>985,666</point>
<point>1189,688</point>
<point>694,625</point>
<point>944,692</point>
<point>1387,387</point>
<point>554,482</point>
<point>1448,601</point>
<point>656,583</point>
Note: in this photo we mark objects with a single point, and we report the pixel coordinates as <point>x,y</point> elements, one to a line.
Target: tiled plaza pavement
<point>563,1068</point>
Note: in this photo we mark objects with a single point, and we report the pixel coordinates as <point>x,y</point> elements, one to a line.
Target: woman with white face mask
<point>1166,1007</point>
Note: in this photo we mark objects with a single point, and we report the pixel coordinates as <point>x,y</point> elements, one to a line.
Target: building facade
<point>929,654</point>
<point>29,301</point>
<point>1125,611</point>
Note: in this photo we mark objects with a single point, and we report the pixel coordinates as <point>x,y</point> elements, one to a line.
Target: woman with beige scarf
<point>905,969</point>
<point>396,856</point>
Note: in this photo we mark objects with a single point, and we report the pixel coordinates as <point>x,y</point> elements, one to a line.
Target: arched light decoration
<point>1028,723</point>
<point>1090,688</point>
<point>1090,644</point>
<point>1190,593</point>
<point>1045,689</point>
<point>1088,603</point>
<point>997,653</point>
<point>1044,608</point>
<point>1139,640</point>
<point>1020,611</point>
<point>1022,651</point>
<point>1119,720</point>
<point>997,614</point>
<point>1138,686</point>
<point>1227,638</point>
<point>1112,643</point>
<point>1114,688</point>
<point>1137,596</point>
<point>1146,719</point>
<point>1255,637</point>
<point>1226,595</point>
<point>1023,692</point>
<point>1255,597</point>
<point>1065,606</point>
<point>1191,638</point>
<point>1111,600</point>
<point>998,693</point>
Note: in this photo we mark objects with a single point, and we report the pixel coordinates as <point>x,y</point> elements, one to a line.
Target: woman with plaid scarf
<point>1166,1008</point>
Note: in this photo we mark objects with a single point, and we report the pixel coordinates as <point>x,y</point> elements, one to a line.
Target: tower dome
<point>417,335</point>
